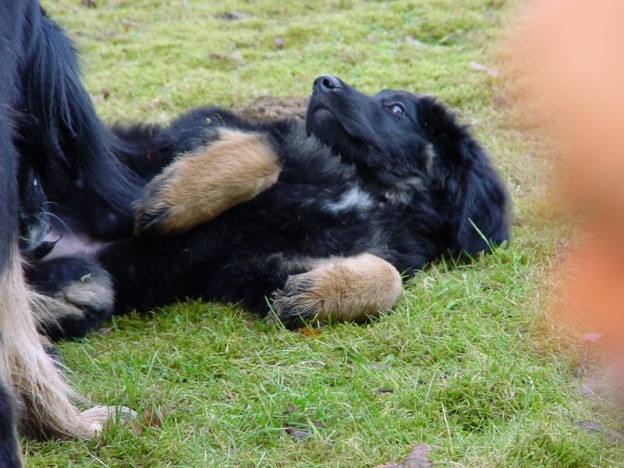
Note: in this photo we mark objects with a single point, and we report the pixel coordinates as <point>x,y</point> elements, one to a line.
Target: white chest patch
<point>403,190</point>
<point>354,198</point>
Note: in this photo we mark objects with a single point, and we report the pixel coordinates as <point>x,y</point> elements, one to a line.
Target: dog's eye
<point>396,108</point>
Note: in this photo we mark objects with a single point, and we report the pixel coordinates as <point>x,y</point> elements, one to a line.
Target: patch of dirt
<point>273,107</point>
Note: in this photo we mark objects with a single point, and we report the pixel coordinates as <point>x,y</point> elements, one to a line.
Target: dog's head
<point>412,148</point>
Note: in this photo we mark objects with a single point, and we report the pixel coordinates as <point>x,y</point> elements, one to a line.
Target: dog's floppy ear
<point>475,197</point>
<point>482,203</point>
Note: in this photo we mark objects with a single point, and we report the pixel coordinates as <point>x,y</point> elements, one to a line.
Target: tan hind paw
<point>340,289</point>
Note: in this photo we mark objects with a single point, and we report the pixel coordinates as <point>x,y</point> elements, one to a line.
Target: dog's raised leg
<point>339,289</point>
<point>41,391</point>
<point>200,185</point>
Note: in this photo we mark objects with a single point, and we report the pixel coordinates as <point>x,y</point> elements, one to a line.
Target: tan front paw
<point>200,185</point>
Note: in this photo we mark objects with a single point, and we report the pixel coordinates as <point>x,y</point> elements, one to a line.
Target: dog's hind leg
<point>44,395</point>
<point>338,289</point>
<point>304,290</point>
<point>76,295</point>
<point>200,185</point>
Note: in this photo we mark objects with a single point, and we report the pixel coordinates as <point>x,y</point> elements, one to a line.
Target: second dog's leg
<point>32,374</point>
<point>9,447</point>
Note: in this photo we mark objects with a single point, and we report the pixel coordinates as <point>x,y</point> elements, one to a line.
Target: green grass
<point>460,363</point>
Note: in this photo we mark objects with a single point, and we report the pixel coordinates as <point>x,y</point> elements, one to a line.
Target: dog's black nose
<point>327,83</point>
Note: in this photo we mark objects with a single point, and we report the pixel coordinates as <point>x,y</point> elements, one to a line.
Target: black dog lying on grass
<point>315,223</point>
<point>404,190</point>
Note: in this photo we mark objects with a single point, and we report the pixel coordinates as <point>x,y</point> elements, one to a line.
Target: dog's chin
<point>323,124</point>
<point>319,117</point>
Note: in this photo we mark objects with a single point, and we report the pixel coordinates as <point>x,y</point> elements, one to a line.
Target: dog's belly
<point>70,244</point>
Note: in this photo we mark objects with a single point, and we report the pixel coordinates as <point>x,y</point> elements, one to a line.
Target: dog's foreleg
<point>200,185</point>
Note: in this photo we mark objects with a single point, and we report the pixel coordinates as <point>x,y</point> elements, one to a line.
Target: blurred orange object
<point>569,55</point>
<point>592,288</point>
<point>307,331</point>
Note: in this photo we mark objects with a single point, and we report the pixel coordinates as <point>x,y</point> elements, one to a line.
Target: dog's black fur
<point>9,203</point>
<point>9,449</point>
<point>56,158</point>
<point>392,174</point>
<point>68,174</point>
<point>68,165</point>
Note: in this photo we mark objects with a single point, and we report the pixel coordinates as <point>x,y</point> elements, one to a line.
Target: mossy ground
<point>460,364</point>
